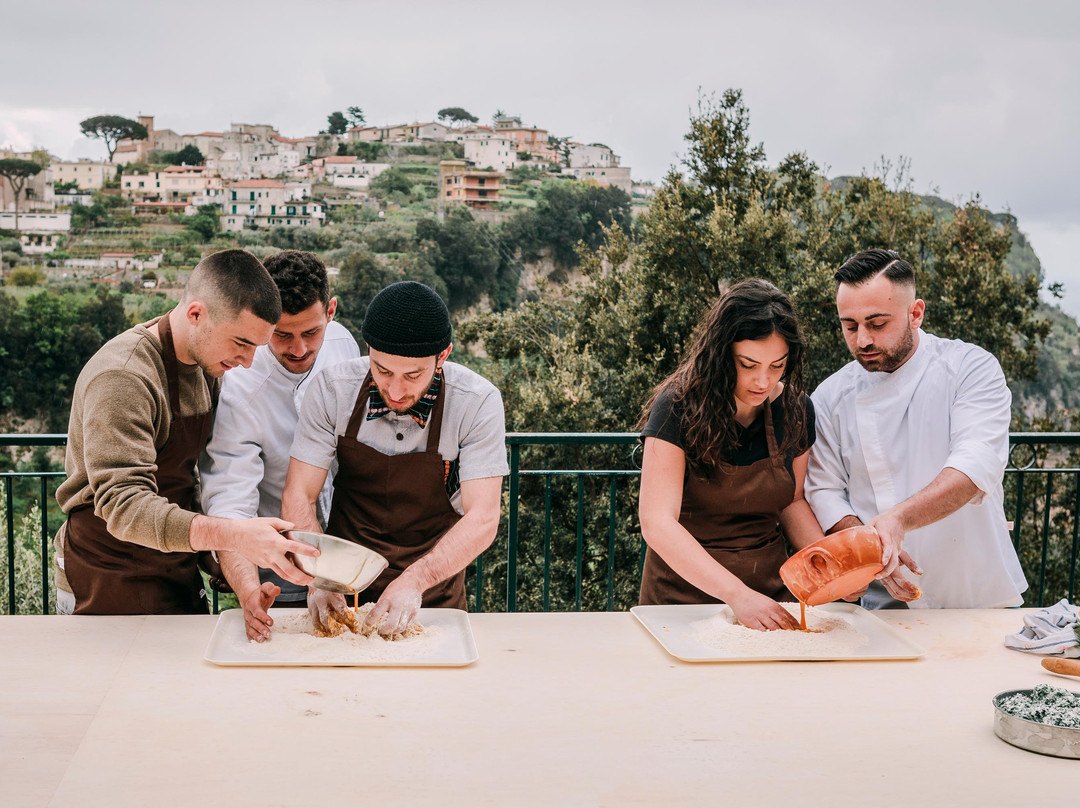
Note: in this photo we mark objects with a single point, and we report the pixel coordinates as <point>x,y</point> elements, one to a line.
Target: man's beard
<point>889,360</point>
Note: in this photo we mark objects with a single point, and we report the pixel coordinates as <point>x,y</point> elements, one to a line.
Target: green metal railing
<point>571,540</point>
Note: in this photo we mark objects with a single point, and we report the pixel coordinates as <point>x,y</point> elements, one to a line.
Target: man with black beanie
<point>420,448</point>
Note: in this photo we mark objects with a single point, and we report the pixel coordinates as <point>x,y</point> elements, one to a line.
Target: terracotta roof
<point>206,134</point>
<point>184,168</point>
<point>342,158</point>
<point>257,184</point>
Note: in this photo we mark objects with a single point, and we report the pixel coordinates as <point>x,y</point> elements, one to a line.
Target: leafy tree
<point>363,274</point>
<point>391,180</point>
<point>18,172</point>
<point>10,251</point>
<point>337,123</point>
<point>463,253</point>
<point>205,222</point>
<point>189,155</point>
<point>355,116</point>
<point>496,115</point>
<point>111,129</point>
<point>567,213</point>
<point>368,152</point>
<point>456,115</point>
<point>46,342</point>
<point>561,147</point>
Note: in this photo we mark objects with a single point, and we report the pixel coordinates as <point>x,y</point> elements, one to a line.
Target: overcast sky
<point>982,97</point>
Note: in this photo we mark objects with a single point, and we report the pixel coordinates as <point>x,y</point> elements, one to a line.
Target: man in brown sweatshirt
<point>140,416</point>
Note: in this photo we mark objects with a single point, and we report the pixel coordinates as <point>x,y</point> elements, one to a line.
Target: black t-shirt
<point>665,423</point>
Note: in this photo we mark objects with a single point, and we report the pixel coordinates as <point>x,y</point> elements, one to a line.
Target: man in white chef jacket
<point>913,438</point>
<point>244,466</point>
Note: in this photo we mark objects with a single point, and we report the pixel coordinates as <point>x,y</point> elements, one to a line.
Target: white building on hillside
<point>398,133</point>
<point>258,151</point>
<point>38,232</point>
<point>618,177</point>
<point>592,155</point>
<point>251,204</point>
<point>490,151</point>
<point>88,175</point>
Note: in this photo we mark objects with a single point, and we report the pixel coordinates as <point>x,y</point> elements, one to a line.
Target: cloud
<point>25,128</point>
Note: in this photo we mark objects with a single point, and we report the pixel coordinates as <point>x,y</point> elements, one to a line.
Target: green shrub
<point>26,276</point>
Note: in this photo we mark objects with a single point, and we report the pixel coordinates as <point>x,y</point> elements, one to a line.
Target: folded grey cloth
<point>1050,631</point>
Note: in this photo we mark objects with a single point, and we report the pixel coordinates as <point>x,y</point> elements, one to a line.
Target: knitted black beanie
<point>407,319</point>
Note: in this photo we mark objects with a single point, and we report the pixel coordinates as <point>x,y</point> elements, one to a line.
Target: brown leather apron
<point>110,576</point>
<point>735,515</point>
<point>395,505</point>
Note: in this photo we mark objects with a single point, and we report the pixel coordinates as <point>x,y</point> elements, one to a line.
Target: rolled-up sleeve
<point>979,423</point>
<point>483,447</point>
<point>315,441</point>
<point>827,476</point>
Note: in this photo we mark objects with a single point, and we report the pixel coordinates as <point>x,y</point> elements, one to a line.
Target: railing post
<point>1046,537</point>
<point>10,500</point>
<point>547,542</point>
<point>44,547</point>
<point>1019,513</point>
<point>1075,539</point>
<point>512,530</point>
<point>611,545</point>
<point>580,543</point>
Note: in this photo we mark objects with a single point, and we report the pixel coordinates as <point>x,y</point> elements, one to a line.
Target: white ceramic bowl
<point>342,566</point>
<point>1046,739</point>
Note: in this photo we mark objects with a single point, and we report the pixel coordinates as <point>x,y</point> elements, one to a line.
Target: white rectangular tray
<point>671,627</point>
<point>455,645</point>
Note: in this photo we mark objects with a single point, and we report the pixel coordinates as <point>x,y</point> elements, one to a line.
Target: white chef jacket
<point>244,466</point>
<point>882,437</point>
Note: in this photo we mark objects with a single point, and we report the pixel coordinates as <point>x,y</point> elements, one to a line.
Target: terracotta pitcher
<point>834,567</point>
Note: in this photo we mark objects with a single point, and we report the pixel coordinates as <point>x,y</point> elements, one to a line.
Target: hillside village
<point>250,177</point>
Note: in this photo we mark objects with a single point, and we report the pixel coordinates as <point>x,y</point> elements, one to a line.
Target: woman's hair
<point>703,386</point>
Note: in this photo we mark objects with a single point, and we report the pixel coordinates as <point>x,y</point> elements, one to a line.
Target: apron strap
<point>172,373</point>
<point>363,396</point>
<point>770,433</point>
<point>435,422</point>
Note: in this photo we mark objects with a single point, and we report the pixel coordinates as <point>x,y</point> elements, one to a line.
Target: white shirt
<point>473,423</point>
<point>882,437</point>
<point>244,466</point>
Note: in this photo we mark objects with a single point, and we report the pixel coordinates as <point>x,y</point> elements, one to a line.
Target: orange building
<point>460,183</point>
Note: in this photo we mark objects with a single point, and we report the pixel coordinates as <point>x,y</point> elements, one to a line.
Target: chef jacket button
<point>400,436</point>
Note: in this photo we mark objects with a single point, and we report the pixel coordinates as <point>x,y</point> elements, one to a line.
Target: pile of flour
<point>291,639</point>
<point>829,635</point>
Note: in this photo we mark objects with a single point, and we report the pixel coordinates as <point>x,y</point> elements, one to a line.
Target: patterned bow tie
<point>419,412</point>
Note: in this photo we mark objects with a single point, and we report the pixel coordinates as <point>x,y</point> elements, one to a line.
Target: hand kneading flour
<point>827,634</point>
<point>292,637</point>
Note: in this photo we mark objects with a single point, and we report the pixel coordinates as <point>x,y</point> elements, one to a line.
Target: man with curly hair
<point>245,463</point>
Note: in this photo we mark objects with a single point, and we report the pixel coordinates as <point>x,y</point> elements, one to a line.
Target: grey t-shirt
<point>473,427</point>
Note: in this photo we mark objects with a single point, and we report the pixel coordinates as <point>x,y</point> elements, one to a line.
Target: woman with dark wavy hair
<point>726,442</point>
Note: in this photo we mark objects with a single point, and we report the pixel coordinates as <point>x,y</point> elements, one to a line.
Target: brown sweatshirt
<point>119,420</point>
